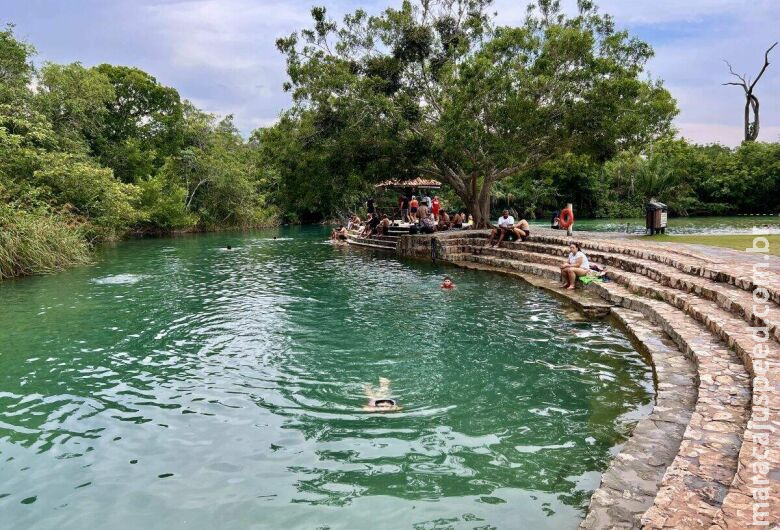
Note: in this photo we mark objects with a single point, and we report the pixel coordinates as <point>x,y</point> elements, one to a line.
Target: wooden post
<point>571,226</point>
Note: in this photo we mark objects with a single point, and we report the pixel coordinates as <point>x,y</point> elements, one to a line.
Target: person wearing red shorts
<point>435,207</point>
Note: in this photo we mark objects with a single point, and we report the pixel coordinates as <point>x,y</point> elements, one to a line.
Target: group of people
<point>506,228</point>
<point>410,207</point>
<point>425,216</point>
<point>428,214</point>
<point>576,265</point>
<point>374,225</point>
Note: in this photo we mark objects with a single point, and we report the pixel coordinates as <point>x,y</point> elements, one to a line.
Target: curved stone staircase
<point>691,312</point>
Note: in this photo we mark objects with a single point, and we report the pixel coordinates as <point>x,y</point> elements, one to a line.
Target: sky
<point>221,54</point>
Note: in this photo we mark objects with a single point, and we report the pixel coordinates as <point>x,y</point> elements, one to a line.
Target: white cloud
<point>222,54</point>
<point>691,39</point>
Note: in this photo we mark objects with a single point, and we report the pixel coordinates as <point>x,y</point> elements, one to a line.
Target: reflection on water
<point>176,384</point>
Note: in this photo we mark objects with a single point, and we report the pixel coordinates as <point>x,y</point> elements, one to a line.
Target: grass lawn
<point>737,242</point>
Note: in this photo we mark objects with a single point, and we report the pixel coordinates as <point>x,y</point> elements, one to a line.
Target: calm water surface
<point>737,224</point>
<point>176,384</point>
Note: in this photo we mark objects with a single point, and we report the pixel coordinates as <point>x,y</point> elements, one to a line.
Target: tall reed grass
<point>39,241</point>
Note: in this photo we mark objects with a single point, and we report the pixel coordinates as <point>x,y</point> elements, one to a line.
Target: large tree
<point>141,125</point>
<point>434,88</point>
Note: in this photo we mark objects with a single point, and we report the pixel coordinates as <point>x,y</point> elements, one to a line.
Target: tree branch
<point>766,63</point>
<point>742,82</point>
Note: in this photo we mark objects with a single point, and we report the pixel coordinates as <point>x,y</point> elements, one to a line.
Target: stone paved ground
<point>681,302</point>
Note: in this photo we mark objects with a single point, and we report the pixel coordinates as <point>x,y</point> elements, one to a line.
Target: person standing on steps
<point>435,207</point>
<point>404,204</point>
<point>413,204</point>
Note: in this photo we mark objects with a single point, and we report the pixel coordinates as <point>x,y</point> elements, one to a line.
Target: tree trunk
<point>475,197</point>
<point>754,129</point>
<point>477,200</point>
<point>479,210</point>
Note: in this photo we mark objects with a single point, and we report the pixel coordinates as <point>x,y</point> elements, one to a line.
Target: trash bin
<point>655,221</point>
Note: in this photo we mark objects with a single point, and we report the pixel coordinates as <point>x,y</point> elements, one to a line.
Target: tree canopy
<point>435,88</point>
<point>90,154</point>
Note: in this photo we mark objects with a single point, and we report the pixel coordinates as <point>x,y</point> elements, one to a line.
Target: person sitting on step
<point>372,222</point>
<point>522,230</point>
<point>444,220</point>
<point>339,234</point>
<point>456,221</point>
<point>427,222</point>
<point>575,266</point>
<point>384,226</point>
<point>505,226</point>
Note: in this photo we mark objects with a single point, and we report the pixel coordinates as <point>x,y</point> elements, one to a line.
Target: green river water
<point>176,384</point>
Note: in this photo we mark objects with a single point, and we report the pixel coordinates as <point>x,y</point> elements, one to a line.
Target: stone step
<point>629,486</point>
<point>741,341</point>
<point>696,484</point>
<point>686,261</point>
<point>372,243</point>
<point>589,304</point>
<point>727,297</point>
<point>715,305</point>
<point>710,447</point>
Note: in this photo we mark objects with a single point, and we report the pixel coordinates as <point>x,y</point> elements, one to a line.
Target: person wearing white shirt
<point>505,224</point>
<point>576,265</point>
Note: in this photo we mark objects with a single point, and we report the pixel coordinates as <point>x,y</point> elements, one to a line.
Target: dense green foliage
<point>691,179</point>
<point>91,154</point>
<point>435,89</point>
<point>557,110</point>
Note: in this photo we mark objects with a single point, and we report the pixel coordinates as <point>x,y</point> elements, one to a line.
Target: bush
<point>92,192</point>
<point>39,241</point>
<point>163,205</point>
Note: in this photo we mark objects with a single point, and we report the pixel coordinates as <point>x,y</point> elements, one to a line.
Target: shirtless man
<point>339,234</point>
<point>384,226</point>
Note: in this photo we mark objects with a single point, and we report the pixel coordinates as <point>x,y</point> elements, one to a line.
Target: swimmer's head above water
<point>381,405</point>
<point>378,400</point>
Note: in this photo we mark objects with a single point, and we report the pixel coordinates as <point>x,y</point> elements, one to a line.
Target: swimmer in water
<point>229,247</point>
<point>447,283</point>
<point>379,400</point>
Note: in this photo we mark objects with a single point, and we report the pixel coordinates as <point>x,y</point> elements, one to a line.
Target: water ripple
<point>179,382</point>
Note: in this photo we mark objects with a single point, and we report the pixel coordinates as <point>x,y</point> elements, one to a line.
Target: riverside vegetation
<point>559,109</point>
<point>88,155</point>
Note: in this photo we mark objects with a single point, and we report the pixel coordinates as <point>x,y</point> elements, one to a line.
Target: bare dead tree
<point>751,101</point>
